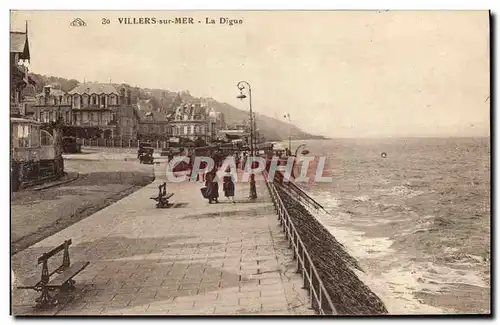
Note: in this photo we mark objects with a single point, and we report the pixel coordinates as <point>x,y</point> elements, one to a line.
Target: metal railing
<point>306,197</point>
<point>319,298</point>
<point>120,143</point>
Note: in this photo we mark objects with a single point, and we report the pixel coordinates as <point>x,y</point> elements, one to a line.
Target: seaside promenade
<point>194,258</point>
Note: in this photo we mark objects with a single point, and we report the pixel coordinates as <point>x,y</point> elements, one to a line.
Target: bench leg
<point>162,204</point>
<point>45,299</point>
<point>70,285</point>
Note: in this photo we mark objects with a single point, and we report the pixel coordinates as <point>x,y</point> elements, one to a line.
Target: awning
<point>235,136</point>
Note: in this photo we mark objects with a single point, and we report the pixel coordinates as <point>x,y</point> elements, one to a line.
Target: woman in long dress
<point>212,187</point>
<point>228,185</point>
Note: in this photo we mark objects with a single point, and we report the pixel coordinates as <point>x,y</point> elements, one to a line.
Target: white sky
<point>340,74</point>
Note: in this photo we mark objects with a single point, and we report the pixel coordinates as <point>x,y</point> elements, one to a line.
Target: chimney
<point>122,96</point>
<point>46,91</point>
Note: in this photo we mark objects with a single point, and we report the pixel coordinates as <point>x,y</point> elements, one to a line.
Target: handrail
<point>309,272</point>
<point>301,192</point>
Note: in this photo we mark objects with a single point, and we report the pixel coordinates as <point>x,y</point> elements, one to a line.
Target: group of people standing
<point>212,186</point>
<point>211,190</point>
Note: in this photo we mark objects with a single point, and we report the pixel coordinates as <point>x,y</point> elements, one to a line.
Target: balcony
<point>96,123</point>
<point>95,107</point>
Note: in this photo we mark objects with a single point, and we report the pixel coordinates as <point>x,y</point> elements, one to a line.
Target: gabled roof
<point>94,88</point>
<point>19,44</point>
<point>143,104</point>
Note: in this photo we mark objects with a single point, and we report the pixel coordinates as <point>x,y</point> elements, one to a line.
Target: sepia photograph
<point>250,163</point>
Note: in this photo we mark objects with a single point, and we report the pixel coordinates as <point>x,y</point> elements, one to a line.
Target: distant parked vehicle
<point>142,147</point>
<point>71,145</point>
<point>146,157</point>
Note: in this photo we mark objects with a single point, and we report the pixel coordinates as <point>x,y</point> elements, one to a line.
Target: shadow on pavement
<point>127,272</point>
<point>239,213</point>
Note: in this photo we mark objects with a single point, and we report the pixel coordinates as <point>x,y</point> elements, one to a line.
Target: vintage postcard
<point>250,162</point>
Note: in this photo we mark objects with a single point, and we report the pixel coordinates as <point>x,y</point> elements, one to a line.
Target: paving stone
<point>145,262</point>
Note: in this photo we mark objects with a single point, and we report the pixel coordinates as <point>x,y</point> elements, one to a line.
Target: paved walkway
<point>193,258</point>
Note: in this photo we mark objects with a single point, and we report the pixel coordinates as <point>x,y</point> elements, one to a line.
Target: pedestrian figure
<point>228,185</point>
<point>243,160</point>
<point>212,187</point>
<point>203,165</point>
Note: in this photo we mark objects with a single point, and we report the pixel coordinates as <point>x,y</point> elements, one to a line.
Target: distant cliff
<point>272,129</point>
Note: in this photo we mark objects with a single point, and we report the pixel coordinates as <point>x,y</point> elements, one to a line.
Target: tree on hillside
<point>60,83</point>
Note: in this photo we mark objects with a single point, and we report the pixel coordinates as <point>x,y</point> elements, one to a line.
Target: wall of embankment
<point>335,267</point>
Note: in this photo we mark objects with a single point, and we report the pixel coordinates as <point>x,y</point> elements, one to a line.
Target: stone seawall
<point>349,294</point>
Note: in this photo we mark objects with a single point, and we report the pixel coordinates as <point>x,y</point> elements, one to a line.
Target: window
<point>67,119</point>
<point>23,133</point>
<point>93,100</point>
<point>113,99</point>
<point>85,100</point>
<point>76,101</point>
<point>102,101</point>
<point>35,136</point>
<point>46,138</point>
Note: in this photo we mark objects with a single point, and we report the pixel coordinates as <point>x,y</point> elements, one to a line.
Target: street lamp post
<point>287,116</point>
<point>255,133</point>
<point>245,85</point>
<point>297,150</point>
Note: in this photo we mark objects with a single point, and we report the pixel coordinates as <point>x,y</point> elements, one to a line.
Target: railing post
<point>299,258</point>
<point>304,273</point>
<point>320,294</point>
<point>311,285</point>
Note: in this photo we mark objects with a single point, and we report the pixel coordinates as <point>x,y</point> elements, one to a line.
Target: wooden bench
<point>62,281</point>
<point>163,196</point>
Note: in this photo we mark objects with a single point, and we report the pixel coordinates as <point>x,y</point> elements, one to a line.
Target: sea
<point>415,213</point>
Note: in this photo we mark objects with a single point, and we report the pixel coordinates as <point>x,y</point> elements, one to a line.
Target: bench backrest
<point>54,251</point>
<point>162,190</point>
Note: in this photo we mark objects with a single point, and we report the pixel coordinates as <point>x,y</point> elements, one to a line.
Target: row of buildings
<point>106,110</point>
<point>39,121</point>
<point>112,110</point>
